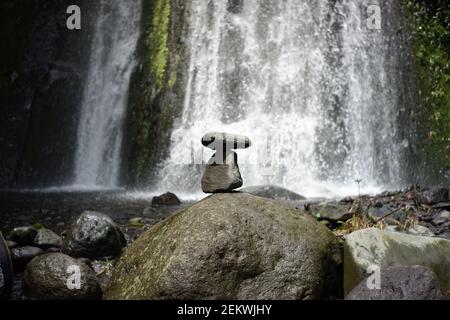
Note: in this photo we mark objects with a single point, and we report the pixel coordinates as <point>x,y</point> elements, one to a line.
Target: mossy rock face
<point>231,246</point>
<point>369,248</point>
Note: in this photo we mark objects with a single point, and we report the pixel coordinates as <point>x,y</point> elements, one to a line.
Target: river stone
<point>23,255</point>
<point>434,195</point>
<point>442,217</point>
<point>166,199</point>
<point>24,236</point>
<point>225,141</point>
<point>401,283</point>
<point>331,212</point>
<point>231,246</point>
<point>94,235</point>
<point>374,247</point>
<point>222,177</point>
<point>46,238</point>
<point>6,271</point>
<point>273,192</point>
<point>48,276</point>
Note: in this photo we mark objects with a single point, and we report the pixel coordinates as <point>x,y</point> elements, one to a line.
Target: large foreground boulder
<point>369,248</point>
<point>94,235</point>
<point>231,246</point>
<point>50,277</point>
<point>401,283</point>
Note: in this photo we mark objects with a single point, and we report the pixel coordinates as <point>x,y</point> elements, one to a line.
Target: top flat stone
<point>227,141</point>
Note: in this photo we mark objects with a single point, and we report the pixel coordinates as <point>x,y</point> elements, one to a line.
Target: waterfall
<point>103,109</point>
<point>318,92</point>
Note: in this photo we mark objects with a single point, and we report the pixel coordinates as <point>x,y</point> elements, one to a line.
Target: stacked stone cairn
<point>222,171</point>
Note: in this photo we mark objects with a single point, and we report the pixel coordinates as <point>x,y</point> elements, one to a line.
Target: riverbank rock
<point>331,212</point>
<point>273,192</point>
<point>366,248</point>
<point>222,177</point>
<point>231,246</point>
<point>6,272</point>
<point>434,195</point>
<point>24,236</point>
<point>23,255</point>
<point>94,235</point>
<point>46,238</point>
<point>48,276</point>
<point>166,199</point>
<point>401,283</point>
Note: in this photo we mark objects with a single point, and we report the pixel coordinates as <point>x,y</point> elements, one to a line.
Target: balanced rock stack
<point>222,171</point>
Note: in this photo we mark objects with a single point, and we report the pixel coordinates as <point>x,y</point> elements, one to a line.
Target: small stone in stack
<point>222,171</point>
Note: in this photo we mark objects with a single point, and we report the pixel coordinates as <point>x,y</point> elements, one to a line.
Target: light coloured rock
<point>373,247</point>
<point>231,246</point>
<point>224,177</point>
<point>46,238</point>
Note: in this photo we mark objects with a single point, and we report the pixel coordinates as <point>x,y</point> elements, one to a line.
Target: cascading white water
<point>307,80</point>
<point>105,96</point>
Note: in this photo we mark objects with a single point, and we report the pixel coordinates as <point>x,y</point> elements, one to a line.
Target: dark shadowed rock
<point>223,177</point>
<point>48,276</point>
<point>273,192</point>
<point>331,212</point>
<point>231,246</point>
<point>166,199</point>
<point>46,238</point>
<point>22,256</point>
<point>6,272</point>
<point>401,283</point>
<point>94,235</point>
<point>225,141</point>
<point>11,244</point>
<point>24,236</point>
<point>433,196</point>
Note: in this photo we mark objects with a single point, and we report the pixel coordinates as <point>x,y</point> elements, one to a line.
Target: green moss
<point>157,41</point>
<point>429,24</point>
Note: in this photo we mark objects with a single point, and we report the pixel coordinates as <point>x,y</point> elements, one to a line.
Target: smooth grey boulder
<point>273,192</point>
<point>371,247</point>
<point>224,177</point>
<point>225,141</point>
<point>48,277</point>
<point>23,255</point>
<point>46,238</point>
<point>24,236</point>
<point>401,283</point>
<point>231,246</point>
<point>94,235</point>
<point>166,199</point>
